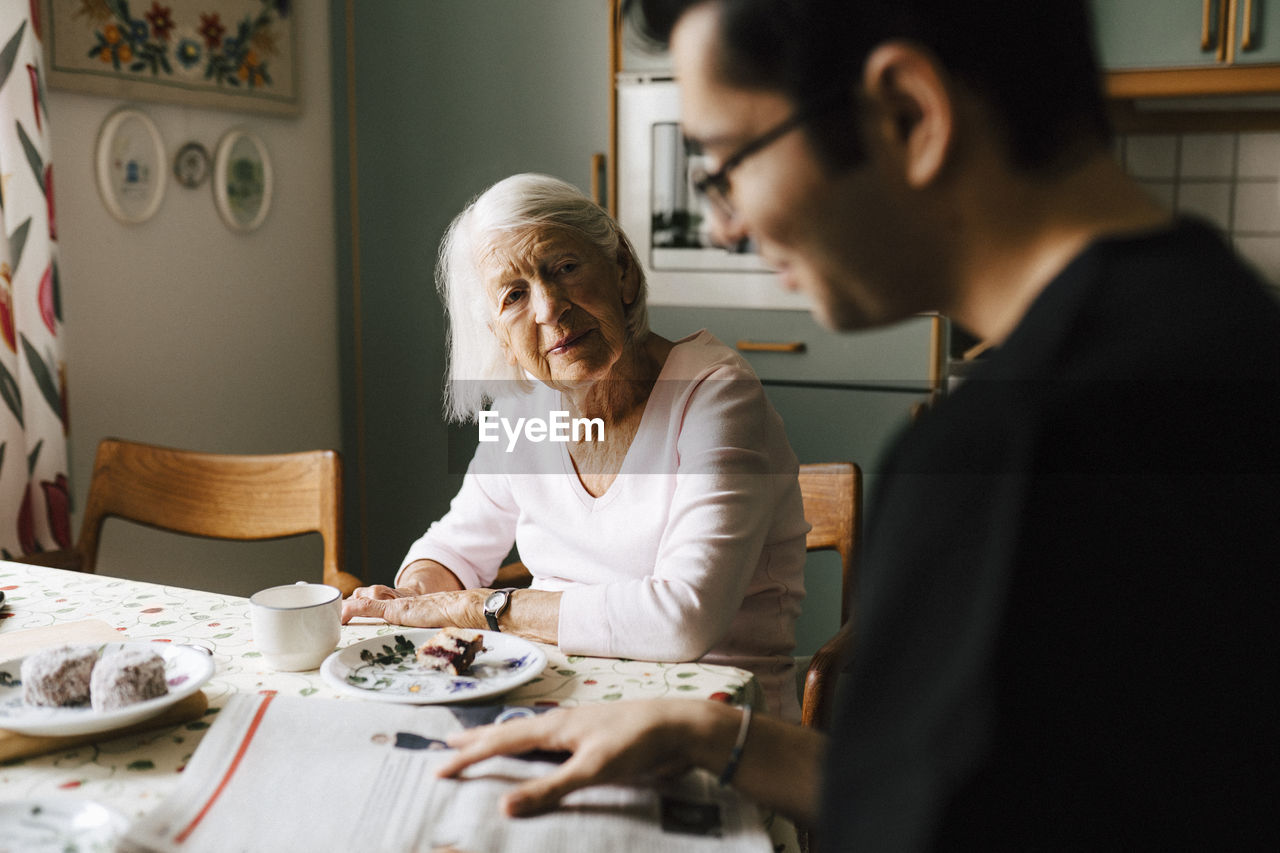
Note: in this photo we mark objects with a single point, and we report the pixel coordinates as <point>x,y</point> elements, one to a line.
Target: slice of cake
<point>126,676</point>
<point>451,650</point>
<point>58,676</point>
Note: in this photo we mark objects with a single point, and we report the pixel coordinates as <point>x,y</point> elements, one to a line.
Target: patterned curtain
<point>34,505</point>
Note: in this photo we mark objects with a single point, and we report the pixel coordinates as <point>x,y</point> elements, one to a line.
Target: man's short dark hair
<point>1033,62</point>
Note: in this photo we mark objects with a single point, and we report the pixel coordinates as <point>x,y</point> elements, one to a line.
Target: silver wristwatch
<point>495,605</point>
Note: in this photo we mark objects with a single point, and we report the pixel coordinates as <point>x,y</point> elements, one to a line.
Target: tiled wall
<point>1230,179</point>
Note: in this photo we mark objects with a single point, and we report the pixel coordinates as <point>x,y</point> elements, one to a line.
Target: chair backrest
<point>218,496</point>
<point>831,493</point>
<point>832,496</point>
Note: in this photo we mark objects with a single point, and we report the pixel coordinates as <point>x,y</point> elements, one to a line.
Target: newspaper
<point>285,773</point>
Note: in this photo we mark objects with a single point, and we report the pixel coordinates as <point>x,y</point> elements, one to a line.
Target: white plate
<point>185,668</point>
<point>59,824</point>
<point>388,672</point>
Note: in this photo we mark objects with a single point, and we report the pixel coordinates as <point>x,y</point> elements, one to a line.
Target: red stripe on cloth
<point>235,762</point>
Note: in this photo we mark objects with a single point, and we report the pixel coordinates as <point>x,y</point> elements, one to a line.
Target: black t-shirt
<point>1066,629</point>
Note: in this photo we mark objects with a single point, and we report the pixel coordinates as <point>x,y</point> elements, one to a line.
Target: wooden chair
<point>832,495</point>
<point>215,496</point>
<point>515,575</point>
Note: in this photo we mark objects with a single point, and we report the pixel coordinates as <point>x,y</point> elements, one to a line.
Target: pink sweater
<point>695,552</point>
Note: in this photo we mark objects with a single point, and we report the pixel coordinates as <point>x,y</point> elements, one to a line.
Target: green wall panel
<point>449,97</point>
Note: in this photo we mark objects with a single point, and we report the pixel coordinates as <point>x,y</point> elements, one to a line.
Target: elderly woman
<point>667,525</point>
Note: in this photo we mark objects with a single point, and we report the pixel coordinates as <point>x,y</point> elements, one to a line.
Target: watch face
<point>495,600</point>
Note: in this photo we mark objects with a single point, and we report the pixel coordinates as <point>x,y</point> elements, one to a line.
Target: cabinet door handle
<point>1213,28</point>
<point>1247,42</point>
<point>1209,28</point>
<point>1224,33</point>
<point>771,346</point>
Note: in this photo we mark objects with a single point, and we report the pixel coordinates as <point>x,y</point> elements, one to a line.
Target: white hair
<point>478,367</point>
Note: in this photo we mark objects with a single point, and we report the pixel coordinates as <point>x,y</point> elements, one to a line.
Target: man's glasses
<point>714,186</point>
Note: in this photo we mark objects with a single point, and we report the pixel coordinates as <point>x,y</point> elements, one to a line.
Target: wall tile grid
<point>1231,180</point>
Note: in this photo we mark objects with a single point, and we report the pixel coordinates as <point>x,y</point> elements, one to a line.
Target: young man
<point>1066,631</point>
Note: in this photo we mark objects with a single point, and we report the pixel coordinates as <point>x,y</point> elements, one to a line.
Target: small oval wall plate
<point>130,165</point>
<point>242,180</point>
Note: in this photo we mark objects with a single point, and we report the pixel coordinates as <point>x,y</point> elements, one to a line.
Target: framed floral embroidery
<point>234,54</point>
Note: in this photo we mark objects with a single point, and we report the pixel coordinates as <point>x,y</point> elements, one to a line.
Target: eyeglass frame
<point>714,186</point>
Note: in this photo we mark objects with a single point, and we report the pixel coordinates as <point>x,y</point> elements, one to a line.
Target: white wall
<point>183,333</point>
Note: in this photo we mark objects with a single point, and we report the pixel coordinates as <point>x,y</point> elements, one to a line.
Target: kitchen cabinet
<point>1148,48</point>
<point>1133,34</point>
<point>1213,47</point>
<point>1255,39</point>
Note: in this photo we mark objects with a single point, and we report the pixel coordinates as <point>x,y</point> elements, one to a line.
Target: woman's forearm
<point>533,614</point>
<point>423,576</point>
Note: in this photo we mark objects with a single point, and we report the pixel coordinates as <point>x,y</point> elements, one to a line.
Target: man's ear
<point>915,108</point>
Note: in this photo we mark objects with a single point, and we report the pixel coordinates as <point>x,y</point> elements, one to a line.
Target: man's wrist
<point>712,730</point>
<point>739,744</point>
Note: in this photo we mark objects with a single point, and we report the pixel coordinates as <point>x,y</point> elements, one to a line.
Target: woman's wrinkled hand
<point>608,743</point>
<point>460,609</point>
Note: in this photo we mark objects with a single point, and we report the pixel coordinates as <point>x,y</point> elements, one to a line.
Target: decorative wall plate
<point>130,165</point>
<point>191,165</point>
<point>242,180</point>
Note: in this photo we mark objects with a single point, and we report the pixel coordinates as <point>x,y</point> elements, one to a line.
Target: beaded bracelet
<point>735,755</point>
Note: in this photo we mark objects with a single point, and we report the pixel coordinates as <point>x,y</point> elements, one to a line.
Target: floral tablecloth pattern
<point>132,774</point>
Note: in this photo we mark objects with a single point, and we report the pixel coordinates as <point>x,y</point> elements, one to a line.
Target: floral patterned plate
<point>383,669</point>
<point>59,825</point>
<point>186,669</point>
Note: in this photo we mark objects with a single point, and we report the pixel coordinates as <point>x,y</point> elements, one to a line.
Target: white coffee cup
<point>297,625</point>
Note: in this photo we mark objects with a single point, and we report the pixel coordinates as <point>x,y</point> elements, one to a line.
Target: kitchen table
<point>132,774</point>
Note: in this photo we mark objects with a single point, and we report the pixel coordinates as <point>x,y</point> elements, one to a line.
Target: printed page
<point>340,774</point>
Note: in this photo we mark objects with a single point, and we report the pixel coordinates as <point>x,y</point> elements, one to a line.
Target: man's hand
<point>616,742</point>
